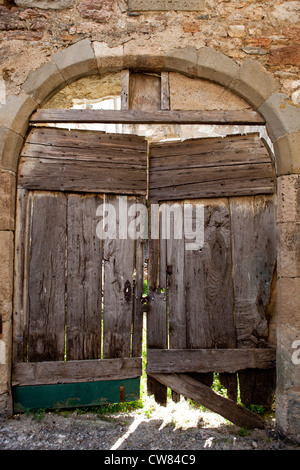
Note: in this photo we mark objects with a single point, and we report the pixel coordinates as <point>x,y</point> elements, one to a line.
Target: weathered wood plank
<point>221,188</point>
<point>119,256</point>
<point>39,373</point>
<point>254,263</point>
<point>175,246</point>
<point>234,165</point>
<point>22,237</point>
<point>106,156</point>
<point>125,79</point>
<point>144,94</point>
<point>84,139</point>
<point>83,161</point>
<point>75,395</point>
<point>84,278</point>
<point>157,321</point>
<point>169,361</point>
<point>212,151</point>
<point>175,274</point>
<point>218,283</point>
<point>68,175</point>
<point>190,176</point>
<point>204,395</point>
<point>138,316</point>
<point>209,289</point>
<point>46,278</point>
<point>243,117</point>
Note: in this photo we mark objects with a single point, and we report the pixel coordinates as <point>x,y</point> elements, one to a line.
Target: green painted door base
<point>34,397</point>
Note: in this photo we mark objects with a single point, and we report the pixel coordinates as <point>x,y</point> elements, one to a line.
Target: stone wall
<point>267,31</point>
<point>251,47</point>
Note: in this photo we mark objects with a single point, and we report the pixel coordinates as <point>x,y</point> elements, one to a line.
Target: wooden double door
<point>210,265</point>
<point>77,322</point>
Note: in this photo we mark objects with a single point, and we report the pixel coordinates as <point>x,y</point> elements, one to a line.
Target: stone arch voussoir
<point>249,80</point>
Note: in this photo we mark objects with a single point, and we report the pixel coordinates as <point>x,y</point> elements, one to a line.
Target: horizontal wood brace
<point>168,361</point>
<point>140,117</point>
<point>41,373</point>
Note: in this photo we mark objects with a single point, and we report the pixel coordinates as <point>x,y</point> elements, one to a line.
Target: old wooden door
<point>211,291</point>
<point>77,323</point>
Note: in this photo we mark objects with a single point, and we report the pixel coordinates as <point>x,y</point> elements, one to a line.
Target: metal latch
<point>144,302</point>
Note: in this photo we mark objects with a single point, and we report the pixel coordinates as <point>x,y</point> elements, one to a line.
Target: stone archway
<point>250,81</point>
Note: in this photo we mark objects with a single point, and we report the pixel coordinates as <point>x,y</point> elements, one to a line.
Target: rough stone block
<point>237,31</point>
<point>161,5</point>
<point>10,147</point>
<point>288,415</point>
<point>2,91</point>
<point>14,115</point>
<point>288,250</point>
<point>76,61</point>
<point>5,405</point>
<point>288,299</point>
<point>287,154</point>
<point>287,11</point>
<point>46,4</point>
<point>5,352</point>
<point>6,274</point>
<point>4,378</point>
<point>288,198</point>
<point>281,116</point>
<point>253,83</point>
<point>286,55</point>
<point>7,200</point>
<point>44,82</point>
<point>215,66</point>
<point>93,10</point>
<point>109,59</point>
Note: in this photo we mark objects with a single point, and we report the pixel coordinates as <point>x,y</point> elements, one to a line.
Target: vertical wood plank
<point>209,288</point>
<point>84,278</point>
<point>218,267</point>
<point>157,328</point>
<point>137,332</point>
<point>176,280</point>
<point>144,92</point>
<point>23,213</point>
<point>254,264</point>
<point>46,279</point>
<point>220,287</point>
<point>125,77</point>
<point>199,327</point>
<point>118,287</point>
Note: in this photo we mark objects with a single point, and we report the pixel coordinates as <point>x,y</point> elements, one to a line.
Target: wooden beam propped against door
<point>200,393</point>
